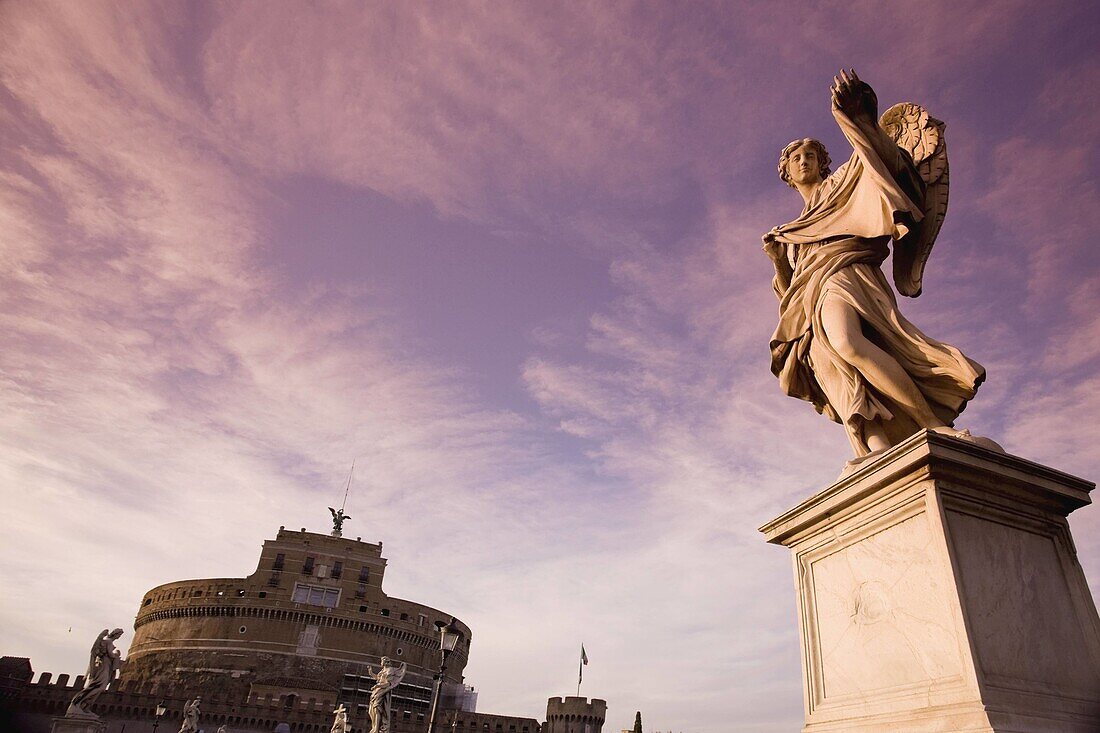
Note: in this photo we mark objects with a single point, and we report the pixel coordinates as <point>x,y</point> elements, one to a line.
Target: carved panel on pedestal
<point>1028,634</point>
<point>881,616</point>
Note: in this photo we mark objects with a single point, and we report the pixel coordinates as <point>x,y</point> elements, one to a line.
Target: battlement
<point>579,714</point>
<point>50,696</point>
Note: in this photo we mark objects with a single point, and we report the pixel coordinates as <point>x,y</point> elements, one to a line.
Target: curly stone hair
<point>822,156</point>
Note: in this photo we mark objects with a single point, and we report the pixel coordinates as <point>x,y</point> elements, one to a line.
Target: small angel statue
<point>103,664</point>
<point>385,681</point>
<point>191,713</point>
<point>338,519</point>
<point>841,343</point>
<point>340,722</point>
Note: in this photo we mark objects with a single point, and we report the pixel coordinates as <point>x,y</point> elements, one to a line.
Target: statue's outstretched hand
<point>854,97</point>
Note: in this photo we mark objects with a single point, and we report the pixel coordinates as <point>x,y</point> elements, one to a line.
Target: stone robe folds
<point>834,249</point>
<point>381,696</point>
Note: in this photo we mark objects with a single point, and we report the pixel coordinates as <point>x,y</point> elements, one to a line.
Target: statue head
<point>804,148</point>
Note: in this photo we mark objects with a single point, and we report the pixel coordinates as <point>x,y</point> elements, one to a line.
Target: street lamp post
<point>161,710</point>
<point>449,636</point>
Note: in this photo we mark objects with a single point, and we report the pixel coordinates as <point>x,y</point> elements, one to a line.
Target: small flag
<point>580,670</point>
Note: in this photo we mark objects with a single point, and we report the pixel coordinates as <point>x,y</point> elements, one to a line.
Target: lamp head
<point>449,635</point>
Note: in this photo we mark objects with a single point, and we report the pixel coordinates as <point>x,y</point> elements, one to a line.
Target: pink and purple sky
<point>507,257</point>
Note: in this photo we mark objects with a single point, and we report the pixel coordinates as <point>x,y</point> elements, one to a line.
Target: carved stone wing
<point>922,136</point>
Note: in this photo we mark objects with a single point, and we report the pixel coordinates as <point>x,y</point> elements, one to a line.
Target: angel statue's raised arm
<point>841,343</point>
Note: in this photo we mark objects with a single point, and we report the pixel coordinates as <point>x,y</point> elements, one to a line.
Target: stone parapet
<point>36,703</point>
<point>575,715</point>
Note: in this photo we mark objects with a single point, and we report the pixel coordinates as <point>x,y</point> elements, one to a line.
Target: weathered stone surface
<point>939,590</point>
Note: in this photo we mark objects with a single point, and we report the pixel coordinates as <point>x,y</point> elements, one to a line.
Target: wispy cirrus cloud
<point>160,389</point>
<point>166,366</point>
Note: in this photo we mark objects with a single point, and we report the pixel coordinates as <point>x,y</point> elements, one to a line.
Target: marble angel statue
<point>340,720</point>
<point>103,664</point>
<point>190,719</point>
<point>841,343</point>
<point>385,681</point>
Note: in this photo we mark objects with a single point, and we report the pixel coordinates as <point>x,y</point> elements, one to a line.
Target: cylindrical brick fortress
<point>305,625</point>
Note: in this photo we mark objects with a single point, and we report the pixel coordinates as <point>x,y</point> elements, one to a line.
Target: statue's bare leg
<point>844,330</point>
<point>874,435</point>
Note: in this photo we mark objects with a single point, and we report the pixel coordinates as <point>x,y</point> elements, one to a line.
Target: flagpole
<point>580,672</point>
<point>580,669</point>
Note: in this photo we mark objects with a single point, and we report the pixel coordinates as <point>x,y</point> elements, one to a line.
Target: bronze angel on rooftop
<point>841,343</point>
<point>338,519</point>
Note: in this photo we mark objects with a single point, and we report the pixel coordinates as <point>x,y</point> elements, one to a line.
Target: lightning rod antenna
<point>348,488</point>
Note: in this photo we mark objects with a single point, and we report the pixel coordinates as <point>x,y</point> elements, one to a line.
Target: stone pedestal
<point>939,591</point>
<point>78,725</point>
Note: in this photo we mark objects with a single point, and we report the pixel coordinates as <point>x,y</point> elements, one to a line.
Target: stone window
<point>364,574</point>
<point>307,566</point>
<point>385,612</point>
<point>337,570</point>
<point>280,560</point>
<point>422,620</point>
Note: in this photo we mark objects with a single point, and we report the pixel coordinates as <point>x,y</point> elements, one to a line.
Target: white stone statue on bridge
<point>340,722</point>
<point>191,713</point>
<point>385,681</point>
<point>103,664</point>
<point>841,343</point>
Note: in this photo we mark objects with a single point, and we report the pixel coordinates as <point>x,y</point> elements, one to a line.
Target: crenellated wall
<point>575,715</point>
<point>133,706</point>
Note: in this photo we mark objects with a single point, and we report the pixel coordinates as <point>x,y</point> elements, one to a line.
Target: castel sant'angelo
<point>302,635</point>
<point>306,624</point>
